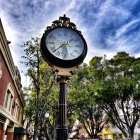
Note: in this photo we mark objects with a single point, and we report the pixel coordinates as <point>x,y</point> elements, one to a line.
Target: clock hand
<point>65,52</point>
<point>63,43</point>
<point>57,48</point>
<point>70,40</point>
<point>68,43</point>
<point>59,42</point>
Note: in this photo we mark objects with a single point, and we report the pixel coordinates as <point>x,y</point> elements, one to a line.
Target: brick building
<point>11,99</point>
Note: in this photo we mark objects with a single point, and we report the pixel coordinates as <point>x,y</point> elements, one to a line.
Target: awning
<point>19,131</point>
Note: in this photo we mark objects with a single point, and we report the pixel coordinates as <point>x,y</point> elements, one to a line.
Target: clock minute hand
<point>70,40</point>
<point>57,48</point>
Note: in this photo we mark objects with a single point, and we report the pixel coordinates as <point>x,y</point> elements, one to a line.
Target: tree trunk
<point>131,133</point>
<point>36,127</point>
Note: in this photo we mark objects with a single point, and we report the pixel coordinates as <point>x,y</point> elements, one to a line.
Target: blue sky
<point>108,26</point>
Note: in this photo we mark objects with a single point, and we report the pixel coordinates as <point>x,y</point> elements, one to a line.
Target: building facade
<point>111,132</point>
<point>11,99</point>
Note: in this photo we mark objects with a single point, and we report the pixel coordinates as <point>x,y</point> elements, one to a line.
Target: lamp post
<point>46,115</point>
<point>62,129</point>
<point>46,124</point>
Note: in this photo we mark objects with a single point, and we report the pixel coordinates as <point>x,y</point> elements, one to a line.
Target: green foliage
<point>113,86</point>
<point>120,91</point>
<point>82,90</point>
<point>95,61</point>
<point>96,93</point>
<point>40,98</point>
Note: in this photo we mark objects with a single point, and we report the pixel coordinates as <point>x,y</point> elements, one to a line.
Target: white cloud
<point>96,51</point>
<point>24,19</point>
<point>125,28</point>
<point>71,6</point>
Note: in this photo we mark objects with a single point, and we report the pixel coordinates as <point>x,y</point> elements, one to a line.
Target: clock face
<point>64,43</point>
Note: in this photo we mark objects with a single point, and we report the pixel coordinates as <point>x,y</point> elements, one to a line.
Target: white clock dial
<point>64,43</point>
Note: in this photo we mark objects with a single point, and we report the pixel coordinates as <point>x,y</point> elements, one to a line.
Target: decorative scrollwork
<point>62,22</point>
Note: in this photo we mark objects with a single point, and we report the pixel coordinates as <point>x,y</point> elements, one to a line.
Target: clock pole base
<point>61,133</point>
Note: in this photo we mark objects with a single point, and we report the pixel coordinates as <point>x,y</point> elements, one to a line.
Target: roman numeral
<point>57,53</point>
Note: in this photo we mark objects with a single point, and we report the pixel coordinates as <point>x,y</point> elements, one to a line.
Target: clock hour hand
<point>65,52</point>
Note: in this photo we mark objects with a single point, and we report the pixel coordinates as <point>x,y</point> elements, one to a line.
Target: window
<point>106,136</point>
<point>9,98</point>
<point>16,110</point>
<point>120,136</point>
<point>10,103</point>
<point>18,113</point>
<point>13,107</point>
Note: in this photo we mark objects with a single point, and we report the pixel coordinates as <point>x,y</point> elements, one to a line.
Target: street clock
<point>62,45</point>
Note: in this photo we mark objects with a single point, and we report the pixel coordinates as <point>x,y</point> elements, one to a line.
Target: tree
<point>82,92</point>
<point>119,92</point>
<point>40,87</point>
<point>43,92</point>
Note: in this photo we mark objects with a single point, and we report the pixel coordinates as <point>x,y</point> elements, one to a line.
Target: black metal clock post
<point>62,129</point>
<point>63,48</point>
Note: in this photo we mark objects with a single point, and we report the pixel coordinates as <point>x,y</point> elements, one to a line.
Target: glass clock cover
<point>64,43</point>
<point>63,46</point>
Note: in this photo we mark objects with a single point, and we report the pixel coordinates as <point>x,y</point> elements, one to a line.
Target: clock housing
<point>63,47</point>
